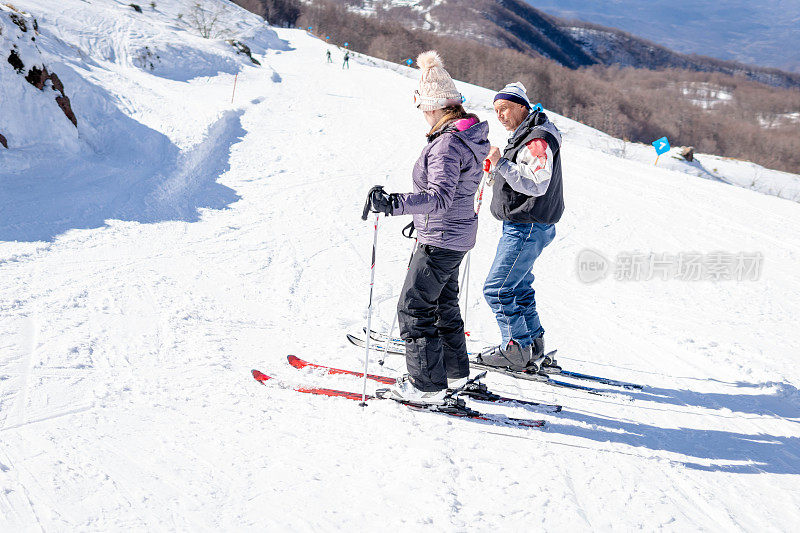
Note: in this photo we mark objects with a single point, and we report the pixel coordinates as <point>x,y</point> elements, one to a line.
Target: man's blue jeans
<point>508,289</point>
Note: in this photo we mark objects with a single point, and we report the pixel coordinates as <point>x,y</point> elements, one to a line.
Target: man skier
<point>328,55</point>
<point>346,61</point>
<point>528,198</point>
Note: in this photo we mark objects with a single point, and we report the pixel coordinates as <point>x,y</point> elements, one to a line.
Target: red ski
<point>263,378</point>
<point>461,413</point>
<point>484,397</point>
<point>299,363</point>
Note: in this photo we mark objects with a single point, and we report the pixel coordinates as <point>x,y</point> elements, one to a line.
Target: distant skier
<point>346,61</point>
<point>446,177</point>
<point>328,55</point>
<point>527,197</point>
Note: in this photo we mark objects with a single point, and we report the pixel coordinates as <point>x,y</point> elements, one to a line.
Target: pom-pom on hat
<point>514,92</point>
<point>436,87</point>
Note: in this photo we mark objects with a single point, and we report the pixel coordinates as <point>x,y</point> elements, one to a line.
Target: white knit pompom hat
<point>436,87</point>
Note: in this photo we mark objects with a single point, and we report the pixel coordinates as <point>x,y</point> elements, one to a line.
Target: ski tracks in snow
<point>29,333</point>
<point>132,406</point>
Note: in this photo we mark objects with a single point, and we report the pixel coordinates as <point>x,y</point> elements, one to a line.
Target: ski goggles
<point>438,102</point>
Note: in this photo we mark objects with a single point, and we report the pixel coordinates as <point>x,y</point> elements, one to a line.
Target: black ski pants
<point>430,320</point>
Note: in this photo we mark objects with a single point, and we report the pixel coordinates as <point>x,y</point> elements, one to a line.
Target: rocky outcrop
<point>242,48</point>
<point>15,61</point>
<point>36,75</point>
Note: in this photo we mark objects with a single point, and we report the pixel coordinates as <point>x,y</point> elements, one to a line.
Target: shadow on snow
<point>135,174</point>
<point>784,402</point>
<point>760,453</point>
<point>716,450</point>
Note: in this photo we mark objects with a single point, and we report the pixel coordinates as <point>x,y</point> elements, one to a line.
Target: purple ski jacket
<point>446,177</point>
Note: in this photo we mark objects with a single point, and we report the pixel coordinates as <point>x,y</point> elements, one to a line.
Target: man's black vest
<point>508,204</point>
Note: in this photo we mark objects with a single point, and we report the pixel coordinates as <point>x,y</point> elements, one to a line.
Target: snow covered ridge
<point>21,56</point>
<point>152,101</point>
<point>55,49</point>
<point>689,27</point>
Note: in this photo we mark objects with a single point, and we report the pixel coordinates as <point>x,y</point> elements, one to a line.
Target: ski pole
<point>466,292</point>
<point>234,86</point>
<point>364,216</point>
<point>487,167</point>
<point>388,339</point>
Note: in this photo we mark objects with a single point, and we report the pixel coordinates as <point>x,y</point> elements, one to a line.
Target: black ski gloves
<point>378,201</point>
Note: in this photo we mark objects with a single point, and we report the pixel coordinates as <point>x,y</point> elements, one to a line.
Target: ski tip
<point>295,361</point>
<point>259,376</point>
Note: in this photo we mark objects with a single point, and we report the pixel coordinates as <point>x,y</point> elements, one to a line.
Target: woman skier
<point>445,178</point>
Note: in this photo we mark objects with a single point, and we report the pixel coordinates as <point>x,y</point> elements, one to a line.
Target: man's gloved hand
<point>381,202</point>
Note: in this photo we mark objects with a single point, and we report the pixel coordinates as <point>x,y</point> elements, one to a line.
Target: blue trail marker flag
<point>661,145</point>
<point>409,62</point>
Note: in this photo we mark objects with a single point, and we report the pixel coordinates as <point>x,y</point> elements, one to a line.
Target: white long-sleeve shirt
<point>531,173</point>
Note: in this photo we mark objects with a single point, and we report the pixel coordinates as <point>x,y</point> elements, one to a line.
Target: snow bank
<point>118,163</point>
<point>31,115</point>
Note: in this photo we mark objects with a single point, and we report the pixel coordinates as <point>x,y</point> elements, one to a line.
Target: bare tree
<point>208,19</point>
<point>716,112</point>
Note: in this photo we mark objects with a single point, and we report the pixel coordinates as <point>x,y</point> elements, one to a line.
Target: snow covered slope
<point>136,153</point>
<point>127,332</point>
